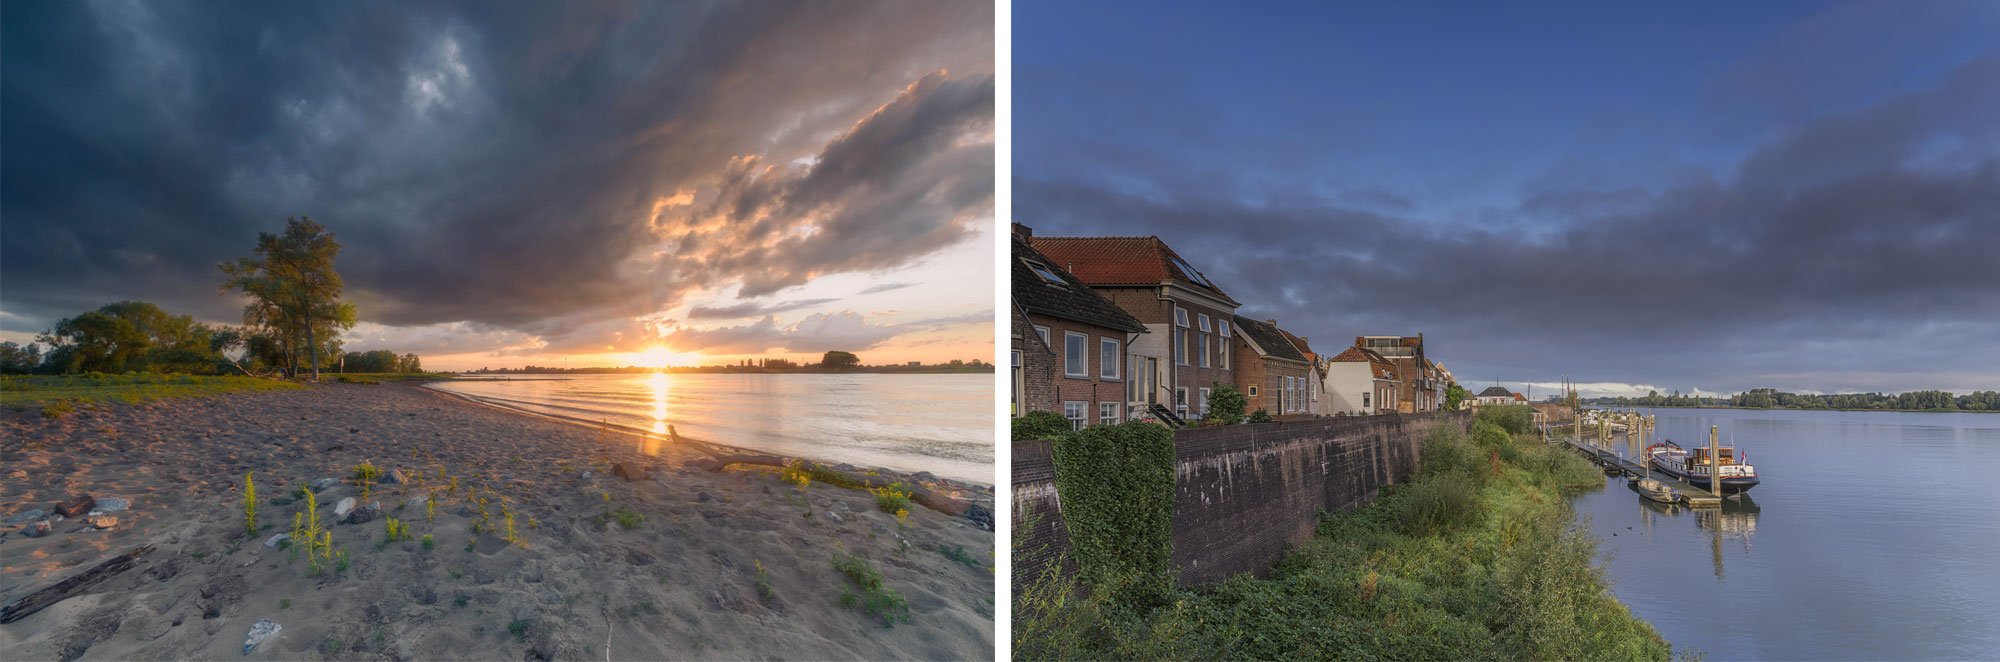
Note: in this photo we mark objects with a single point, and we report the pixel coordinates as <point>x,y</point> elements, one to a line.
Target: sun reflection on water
<point>650,444</point>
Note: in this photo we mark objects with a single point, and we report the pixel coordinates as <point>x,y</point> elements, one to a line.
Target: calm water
<point>937,423</point>
<point>1875,535</point>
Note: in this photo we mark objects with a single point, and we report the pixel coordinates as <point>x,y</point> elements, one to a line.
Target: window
<point>1223,327</point>
<point>1076,354</point>
<point>1223,350</point>
<point>1043,332</point>
<point>1107,413</point>
<point>1180,317</point>
<point>1108,358</point>
<point>1204,322</point>
<point>1188,271</point>
<point>1285,396</point>
<point>1135,381</point>
<point>1045,272</point>
<point>1019,388</point>
<point>1077,413</point>
<point>1204,403</point>
<point>1364,399</point>
<point>1180,402</point>
<point>1204,349</point>
<point>1180,346</point>
<point>1253,390</point>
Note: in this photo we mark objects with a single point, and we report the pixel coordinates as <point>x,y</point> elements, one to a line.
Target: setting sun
<point>658,356</point>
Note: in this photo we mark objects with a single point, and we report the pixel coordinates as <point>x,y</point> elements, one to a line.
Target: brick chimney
<point>1023,231</point>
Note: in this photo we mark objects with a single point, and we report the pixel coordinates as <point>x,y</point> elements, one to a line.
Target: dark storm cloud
<point>1859,251</point>
<point>751,309</point>
<point>525,166</point>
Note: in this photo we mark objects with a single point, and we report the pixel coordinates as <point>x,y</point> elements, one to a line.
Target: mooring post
<point>1714,463</point>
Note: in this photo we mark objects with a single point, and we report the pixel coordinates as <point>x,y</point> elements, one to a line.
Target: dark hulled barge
<point>1693,467</point>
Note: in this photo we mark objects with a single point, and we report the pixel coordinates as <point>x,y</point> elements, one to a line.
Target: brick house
<point>1422,385</point>
<point>1316,404</point>
<point>1271,372</point>
<point>1082,337</point>
<point>1187,348</point>
<point>1359,382</point>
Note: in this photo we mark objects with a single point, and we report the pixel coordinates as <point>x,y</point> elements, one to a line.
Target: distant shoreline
<point>884,370</point>
<point>1905,411</point>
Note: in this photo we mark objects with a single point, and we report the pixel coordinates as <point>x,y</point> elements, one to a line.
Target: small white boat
<point>1657,491</point>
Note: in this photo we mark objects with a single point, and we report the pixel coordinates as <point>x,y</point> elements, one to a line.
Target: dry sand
<point>681,586</point>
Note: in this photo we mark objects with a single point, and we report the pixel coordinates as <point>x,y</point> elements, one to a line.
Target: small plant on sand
<point>764,590</point>
<point>57,408</point>
<point>892,498</point>
<point>431,506</point>
<point>453,489</point>
<point>364,476</point>
<point>308,535</point>
<point>903,516</point>
<point>249,504</point>
<point>395,529</point>
<point>428,542</point>
<point>340,562</point>
<point>958,554</point>
<point>868,594</point>
<point>483,520</point>
<point>628,519</point>
<point>284,603</point>
<point>507,521</point>
<point>796,477</point>
<point>518,628</point>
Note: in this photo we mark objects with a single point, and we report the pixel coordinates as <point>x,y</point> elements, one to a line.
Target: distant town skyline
<point>519,183</point>
<point>1702,197</point>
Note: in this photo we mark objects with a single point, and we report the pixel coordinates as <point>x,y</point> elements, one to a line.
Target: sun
<point>658,356</point>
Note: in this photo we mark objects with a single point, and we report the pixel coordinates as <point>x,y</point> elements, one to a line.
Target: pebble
<point>321,484</point>
<point>259,632</point>
<point>834,516</point>
<point>32,514</point>
<point>37,529</point>
<point>112,504</point>
<point>341,509</point>
<point>273,541</point>
<point>980,515</point>
<point>395,476</point>
<point>104,521</point>
<point>365,513</point>
<point>703,497</point>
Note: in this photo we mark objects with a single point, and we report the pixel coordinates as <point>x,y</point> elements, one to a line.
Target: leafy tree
<point>1225,404</point>
<point>15,359</point>
<point>294,291</point>
<point>95,342</point>
<point>838,360</point>
<point>1040,425</point>
<point>1454,395</point>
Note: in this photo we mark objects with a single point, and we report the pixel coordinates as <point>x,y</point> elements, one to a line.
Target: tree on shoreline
<point>294,293</point>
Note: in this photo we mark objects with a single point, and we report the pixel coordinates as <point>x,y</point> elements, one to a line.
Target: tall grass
<point>28,391</point>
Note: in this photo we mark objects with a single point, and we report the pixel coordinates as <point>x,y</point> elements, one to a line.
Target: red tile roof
<point>1299,342</point>
<point>1123,261</point>
<point>1383,368</point>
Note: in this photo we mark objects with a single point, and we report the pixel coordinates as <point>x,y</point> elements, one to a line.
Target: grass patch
<point>868,594</point>
<point>518,628</point>
<point>381,377</point>
<point>1480,557</point>
<point>627,519</point>
<point>964,558</point>
<point>64,392</point>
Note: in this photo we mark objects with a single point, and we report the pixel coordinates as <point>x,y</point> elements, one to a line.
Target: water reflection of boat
<point>1693,467</point>
<point>1737,518</point>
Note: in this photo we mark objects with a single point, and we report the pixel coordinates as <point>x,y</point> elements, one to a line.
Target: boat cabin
<point>1700,456</point>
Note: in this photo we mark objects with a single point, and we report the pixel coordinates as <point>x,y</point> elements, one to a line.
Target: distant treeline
<point>1766,398</point>
<point>773,367</point>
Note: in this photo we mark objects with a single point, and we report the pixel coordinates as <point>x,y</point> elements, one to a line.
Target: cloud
<point>1857,243</point>
<point>886,287</point>
<point>751,309</point>
<point>534,168</point>
<point>819,332</point>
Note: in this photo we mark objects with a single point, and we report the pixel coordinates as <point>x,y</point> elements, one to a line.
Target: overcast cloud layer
<point>538,173</point>
<point>1700,208</point>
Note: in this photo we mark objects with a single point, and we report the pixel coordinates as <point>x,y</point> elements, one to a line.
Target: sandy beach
<point>683,583</point>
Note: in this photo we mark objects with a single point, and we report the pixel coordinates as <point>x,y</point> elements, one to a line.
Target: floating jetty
<point>1694,496</point>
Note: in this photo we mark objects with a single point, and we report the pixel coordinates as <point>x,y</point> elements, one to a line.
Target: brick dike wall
<point>1244,493</point>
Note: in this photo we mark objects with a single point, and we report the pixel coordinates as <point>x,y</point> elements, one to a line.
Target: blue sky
<point>1685,195</point>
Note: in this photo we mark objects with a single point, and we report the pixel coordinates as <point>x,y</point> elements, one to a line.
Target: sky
<point>568,184</point>
<point>1704,197</point>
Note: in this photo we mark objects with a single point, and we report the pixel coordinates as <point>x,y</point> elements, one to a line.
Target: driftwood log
<point>68,588</point>
<point>724,457</point>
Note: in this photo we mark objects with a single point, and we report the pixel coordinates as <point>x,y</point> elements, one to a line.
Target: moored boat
<point>1657,491</point>
<point>1693,467</point>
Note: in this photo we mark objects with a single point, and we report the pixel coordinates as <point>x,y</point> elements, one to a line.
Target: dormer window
<point>1045,272</point>
<point>1188,271</point>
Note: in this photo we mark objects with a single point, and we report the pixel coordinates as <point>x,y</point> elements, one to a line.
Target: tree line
<point>1770,398</point>
<point>291,323</point>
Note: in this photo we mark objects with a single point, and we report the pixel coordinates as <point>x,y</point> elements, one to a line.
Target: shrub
<point>1117,488</point>
<point>1041,425</point>
<point>868,593</point>
<point>1438,504</point>
<point>1260,416</point>
<point>892,499</point>
<point>627,519</point>
<point>1515,419</point>
<point>364,476</point>
<point>1225,404</point>
<point>1446,450</point>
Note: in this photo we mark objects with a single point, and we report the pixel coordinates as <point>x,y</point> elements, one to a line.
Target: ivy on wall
<point>1116,484</point>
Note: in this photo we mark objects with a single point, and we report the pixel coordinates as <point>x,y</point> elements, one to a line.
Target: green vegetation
<point>1225,404</point>
<point>1040,425</point>
<point>868,594</point>
<point>1117,487</point>
<point>428,542</point>
<point>764,590</point>
<point>518,628</point>
<point>1478,557</point>
<point>365,475</point>
<point>249,505</point>
<point>1453,395</point>
<point>962,557</point>
<point>313,538</point>
<point>627,519</point>
<point>1260,416</point>
<point>62,392</point>
<point>294,295</point>
<point>394,530</point>
<point>838,360</point>
<point>892,499</point>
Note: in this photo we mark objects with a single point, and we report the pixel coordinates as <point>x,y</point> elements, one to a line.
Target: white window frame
<point>1180,346</point>
<point>1047,273</point>
<point>1110,353</point>
<point>1180,317</point>
<point>1285,397</point>
<point>1081,363</point>
<point>1203,404</point>
<point>1181,401</point>
<point>1020,389</point>
<point>1223,350</point>
<point>1078,413</point>
<point>1043,332</point>
<point>1223,327</point>
<point>1253,390</point>
<point>1204,348</point>
<point>1108,412</point>
<point>1203,317</point>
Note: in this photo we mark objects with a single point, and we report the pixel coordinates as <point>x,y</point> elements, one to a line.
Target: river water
<point>1874,536</point>
<point>942,424</point>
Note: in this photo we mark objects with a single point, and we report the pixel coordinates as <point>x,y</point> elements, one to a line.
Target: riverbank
<point>683,562</point>
<point>1479,557</point>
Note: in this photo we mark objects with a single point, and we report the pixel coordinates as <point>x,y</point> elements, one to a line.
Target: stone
<point>76,506</point>
<point>365,513</point>
<point>979,515</point>
<point>321,484</point>
<point>925,476</point>
<point>843,507</point>
<point>112,504</point>
<point>260,632</point>
<point>345,506</point>
<point>588,475</point>
<point>629,472</point>
<point>26,515</point>
<point>272,542</point>
<point>834,516</point>
<point>36,529</point>
<point>104,521</point>
<point>703,497</point>
<point>395,476</point>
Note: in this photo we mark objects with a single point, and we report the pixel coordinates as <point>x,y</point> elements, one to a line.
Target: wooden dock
<point>1604,457</point>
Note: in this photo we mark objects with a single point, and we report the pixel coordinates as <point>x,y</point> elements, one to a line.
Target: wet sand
<point>682,585</point>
